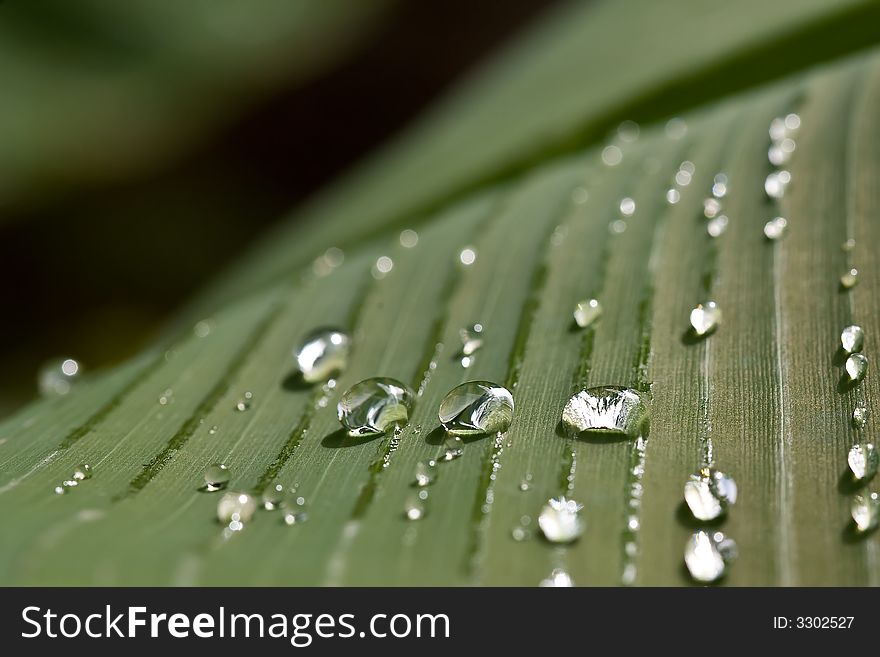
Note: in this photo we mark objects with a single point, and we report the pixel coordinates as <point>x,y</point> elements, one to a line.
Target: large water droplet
<point>850,279</point>
<point>708,493</point>
<point>558,578</point>
<point>216,477</point>
<point>374,406</point>
<point>476,408</point>
<point>856,365</point>
<point>560,520</point>
<point>323,354</point>
<point>82,472</point>
<point>852,338</point>
<point>605,409</point>
<point>863,460</point>
<point>707,555</point>
<point>775,228</point>
<point>865,510</point>
<point>235,509</point>
<point>57,377</point>
<point>705,318</point>
<point>586,312</point>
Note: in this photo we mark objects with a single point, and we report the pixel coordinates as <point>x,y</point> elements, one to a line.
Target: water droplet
<point>719,185</point>
<point>383,267</point>
<point>860,417</point>
<point>424,474</point>
<point>236,507</point>
<point>202,329</point>
<point>683,178</point>
<point>374,406</point>
<point>468,256</point>
<point>560,520</point>
<point>856,365</point>
<point>848,245</point>
<point>676,128</point>
<point>628,131</point>
<point>212,430</point>
<point>627,206</point>
<point>777,129</point>
<point>57,377</point>
<point>579,195</point>
<point>705,318</point>
<point>414,508</point>
<point>294,511</point>
<point>244,403</point>
<point>525,483</point>
<point>711,207</point>
<point>776,184</point>
<point>852,339</point>
<point>707,555</point>
<point>453,447</point>
<point>792,123</point>
<point>273,496</point>
<point>586,312</point>
<point>717,225</point>
<point>863,460</point>
<point>322,354</point>
<point>708,493</point>
<point>865,510</point>
<point>166,397</point>
<point>612,155</point>
<point>475,408</point>
<point>60,490</point>
<point>850,279</point>
<point>605,409</point>
<point>775,228</point>
<point>672,196</point>
<point>82,472</point>
<point>216,476</point>
<point>617,226</point>
<point>558,578</point>
<point>328,261</point>
<point>471,339</point>
<point>70,483</point>
<point>777,156</point>
<point>408,238</point>
<point>520,534</point>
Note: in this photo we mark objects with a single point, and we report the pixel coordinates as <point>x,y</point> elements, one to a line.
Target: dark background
<point>89,272</point>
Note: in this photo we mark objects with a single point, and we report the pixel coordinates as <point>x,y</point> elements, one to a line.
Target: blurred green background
<point>144,144</point>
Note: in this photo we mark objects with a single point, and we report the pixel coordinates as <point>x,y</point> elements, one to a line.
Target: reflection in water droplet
<point>476,408</point>
<point>705,318</point>
<point>716,227</point>
<point>322,354</point>
<point>850,279</point>
<point>852,339</point>
<point>453,448</point>
<point>57,377</point>
<point>856,366</point>
<point>408,238</point>
<point>560,520</point>
<point>775,228</point>
<point>605,409</point>
<point>586,312</point>
<point>216,477</point>
<point>294,511</point>
<point>707,555</point>
<point>865,510</point>
<point>558,578</point>
<point>860,417</point>
<point>471,339</point>
<point>236,508</point>
<point>863,460</point>
<point>374,406</point>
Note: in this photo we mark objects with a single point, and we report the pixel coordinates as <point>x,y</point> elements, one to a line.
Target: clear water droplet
<point>383,267</point>
<point>627,206</point>
<point>424,474</point>
<point>605,409</point>
<point>468,256</point>
<point>673,196</point>
<point>716,226</point>
<point>57,377</point>
<point>408,238</point>
<point>852,339</point>
<point>453,447</point>
<point>850,279</point>
<point>558,578</point>
<point>414,508</point>
<point>273,496</point>
<point>236,507</point>
<point>612,155</point>
<point>476,408</point>
<point>863,460</point>
<point>711,207</point>
<point>856,366</point>
<point>865,510</point>
<point>775,228</point>
<point>860,417</point>
<point>708,493</point>
<point>374,406</point>
<point>705,318</point>
<point>216,477</point>
<point>586,312</point>
<point>82,472</point>
<point>707,555</point>
<point>322,354</point>
<point>560,520</point>
<point>719,185</point>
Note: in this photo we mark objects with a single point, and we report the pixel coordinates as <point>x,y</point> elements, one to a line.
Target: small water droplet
<point>476,408</point>
<point>424,474</point>
<point>580,195</point>
<point>776,184</point>
<point>236,508</point>
<point>711,207</point>
<point>612,155</point>
<point>707,555</point>
<point>586,312</point>
<point>848,245</point>
<point>775,228</point>
<point>560,520</point>
<point>273,496</point>
<point>82,472</point>
<point>708,493</point>
<point>383,267</point>
<point>852,339</point>
<point>863,460</point>
<point>322,354</point>
<point>627,206</point>
<point>453,447</point>
<point>294,511</point>
<point>777,156</point>
<point>520,533</point>
<point>202,329</point>
<point>60,490</point>
<point>865,510</point>
<point>705,318</point>
<point>374,406</point>
<point>166,397</point>
<point>676,128</point>
<point>716,226</point>
<point>471,341</point>
<point>212,430</point>
<point>628,131</point>
<point>468,256</point>
<point>850,279</point>
<point>244,403</point>
<point>408,238</point>
<point>792,123</point>
<point>617,227</point>
<point>70,483</point>
<point>216,477</point>
<point>673,196</point>
<point>328,261</point>
<point>860,417</point>
<point>414,508</point>
<point>719,185</point>
<point>856,366</point>
<point>605,409</point>
<point>57,377</point>
<point>558,578</point>
<point>525,483</point>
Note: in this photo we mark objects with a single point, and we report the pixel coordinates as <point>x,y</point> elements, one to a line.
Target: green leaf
<point>763,390</point>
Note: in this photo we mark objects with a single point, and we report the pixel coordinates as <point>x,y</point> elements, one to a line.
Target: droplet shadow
<point>340,439</point>
<point>839,357</point>
<point>850,533</point>
<point>438,435</point>
<point>848,484</point>
<point>690,581</point>
<point>845,384</point>
<point>686,519</point>
<point>603,437</point>
<point>294,382</point>
<point>690,337</point>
